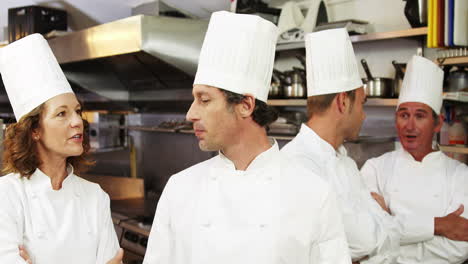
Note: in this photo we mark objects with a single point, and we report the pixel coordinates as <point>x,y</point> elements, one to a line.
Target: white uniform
<point>71,225</point>
<point>273,212</point>
<point>416,192</point>
<point>370,231</point>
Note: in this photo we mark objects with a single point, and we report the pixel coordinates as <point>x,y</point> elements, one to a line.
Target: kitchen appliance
<point>376,86</point>
<point>457,81</point>
<point>353,26</point>
<point>26,20</point>
<point>104,130</point>
<point>132,233</point>
<point>293,25</point>
<point>416,12</point>
<point>400,69</point>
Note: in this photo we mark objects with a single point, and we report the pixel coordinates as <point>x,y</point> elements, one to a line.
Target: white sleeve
<point>369,174</point>
<point>160,242</point>
<point>332,246</point>
<point>413,228</point>
<point>108,242</point>
<point>370,230</point>
<point>444,249</point>
<point>10,226</point>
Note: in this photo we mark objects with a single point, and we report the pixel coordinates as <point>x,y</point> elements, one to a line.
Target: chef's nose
<point>76,120</point>
<point>410,123</point>
<point>192,114</point>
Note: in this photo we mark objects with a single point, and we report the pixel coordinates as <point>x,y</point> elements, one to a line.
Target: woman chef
<point>54,215</point>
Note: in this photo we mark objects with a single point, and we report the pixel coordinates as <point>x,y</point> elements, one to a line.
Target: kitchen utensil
<point>416,12</point>
<point>294,84</point>
<point>301,59</point>
<point>457,81</point>
<point>375,86</point>
<point>446,22</point>
<point>435,29</point>
<point>440,22</point>
<point>275,88</point>
<point>460,23</point>
<point>450,25</point>
<point>400,69</point>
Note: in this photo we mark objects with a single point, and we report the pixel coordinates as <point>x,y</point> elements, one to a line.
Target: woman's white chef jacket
<point>72,225</point>
<point>416,192</point>
<point>370,231</point>
<point>271,213</point>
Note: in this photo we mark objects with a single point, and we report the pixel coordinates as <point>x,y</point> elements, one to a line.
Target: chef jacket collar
<point>40,182</point>
<point>427,160</point>
<point>263,161</point>
<point>314,142</point>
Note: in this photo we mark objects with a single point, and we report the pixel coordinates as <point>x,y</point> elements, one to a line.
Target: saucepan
<point>400,69</point>
<point>376,86</point>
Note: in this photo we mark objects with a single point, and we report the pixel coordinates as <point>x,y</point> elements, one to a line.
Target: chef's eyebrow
<point>422,111</point>
<point>66,106</point>
<point>200,93</point>
<point>402,109</point>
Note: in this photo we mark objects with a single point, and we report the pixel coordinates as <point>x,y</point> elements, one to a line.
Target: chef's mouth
<point>411,136</point>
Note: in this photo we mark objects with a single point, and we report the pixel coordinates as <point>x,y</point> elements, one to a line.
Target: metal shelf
<point>103,150</point>
<point>456,96</point>
<point>454,149</point>
<point>303,102</point>
<point>406,33</point>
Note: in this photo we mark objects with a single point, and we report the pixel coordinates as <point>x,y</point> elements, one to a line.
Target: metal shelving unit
<point>406,33</point>
<point>303,102</point>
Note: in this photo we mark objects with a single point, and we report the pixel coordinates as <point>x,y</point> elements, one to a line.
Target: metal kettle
<point>294,83</point>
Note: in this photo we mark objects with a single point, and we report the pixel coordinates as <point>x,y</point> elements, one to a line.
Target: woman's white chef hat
<point>31,74</point>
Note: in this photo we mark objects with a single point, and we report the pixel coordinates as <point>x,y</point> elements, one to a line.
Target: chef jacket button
<point>269,178</point>
<point>207,225</point>
<point>436,195</point>
<point>262,225</point>
<point>214,178</point>
<point>40,234</point>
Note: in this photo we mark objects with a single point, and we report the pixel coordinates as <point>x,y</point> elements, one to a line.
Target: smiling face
<point>214,121</point>
<point>60,132</point>
<point>416,126</point>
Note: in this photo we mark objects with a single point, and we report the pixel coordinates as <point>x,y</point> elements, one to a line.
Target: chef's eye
<point>204,100</point>
<point>61,114</point>
<point>79,111</point>
<point>420,116</point>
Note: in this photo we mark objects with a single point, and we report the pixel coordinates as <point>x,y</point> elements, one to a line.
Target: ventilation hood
<point>142,62</point>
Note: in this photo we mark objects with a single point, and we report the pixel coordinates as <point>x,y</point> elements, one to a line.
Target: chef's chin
<point>206,146</point>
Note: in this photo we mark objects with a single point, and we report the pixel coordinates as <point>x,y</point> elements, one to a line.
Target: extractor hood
<point>142,62</point>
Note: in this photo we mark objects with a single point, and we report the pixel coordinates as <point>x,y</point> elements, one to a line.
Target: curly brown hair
<point>20,150</point>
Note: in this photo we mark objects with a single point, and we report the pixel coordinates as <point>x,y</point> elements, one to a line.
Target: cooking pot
<point>376,86</point>
<point>457,81</point>
<point>275,87</point>
<point>293,83</point>
<point>400,69</point>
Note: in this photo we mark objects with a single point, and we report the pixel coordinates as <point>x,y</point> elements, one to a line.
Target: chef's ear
<point>35,134</point>
<point>342,101</point>
<point>439,121</point>
<point>246,107</point>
